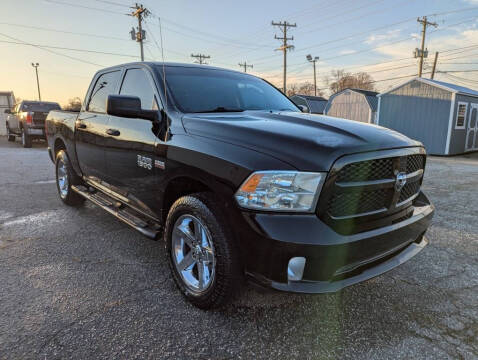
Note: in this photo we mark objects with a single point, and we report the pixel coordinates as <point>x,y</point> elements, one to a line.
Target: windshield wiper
<point>219,109</point>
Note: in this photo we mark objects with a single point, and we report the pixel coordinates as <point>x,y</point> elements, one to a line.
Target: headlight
<point>281,191</point>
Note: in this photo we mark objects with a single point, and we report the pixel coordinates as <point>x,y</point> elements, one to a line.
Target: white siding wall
<point>6,102</point>
<point>350,105</point>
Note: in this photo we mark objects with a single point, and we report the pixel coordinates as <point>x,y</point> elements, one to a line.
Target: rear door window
<point>105,85</point>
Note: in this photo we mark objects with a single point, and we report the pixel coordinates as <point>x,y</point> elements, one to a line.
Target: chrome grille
<point>409,190</point>
<point>370,189</point>
<point>415,163</point>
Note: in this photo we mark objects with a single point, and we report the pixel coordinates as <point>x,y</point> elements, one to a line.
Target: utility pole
<point>139,12</point>
<point>434,65</point>
<point>284,25</point>
<point>200,58</point>
<point>245,66</point>
<point>313,61</point>
<point>36,65</point>
<point>421,53</point>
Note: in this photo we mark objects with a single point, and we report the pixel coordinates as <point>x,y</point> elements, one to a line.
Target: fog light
<point>295,270</point>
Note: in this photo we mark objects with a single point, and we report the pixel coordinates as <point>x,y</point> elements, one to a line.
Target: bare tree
<point>340,80</point>
<point>292,89</point>
<point>73,105</point>
<point>305,88</point>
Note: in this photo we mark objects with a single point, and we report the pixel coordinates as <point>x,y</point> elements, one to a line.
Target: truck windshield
<point>39,106</point>
<point>200,90</point>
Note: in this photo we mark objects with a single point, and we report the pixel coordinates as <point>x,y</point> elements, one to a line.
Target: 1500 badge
<point>145,162</point>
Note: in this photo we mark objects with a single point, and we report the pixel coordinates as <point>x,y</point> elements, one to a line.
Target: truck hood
<point>307,142</point>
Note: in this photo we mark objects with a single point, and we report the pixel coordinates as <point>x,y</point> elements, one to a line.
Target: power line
<point>51,51</point>
<point>20,42</point>
<point>64,31</point>
<point>379,28</point>
<point>112,3</point>
<point>84,7</point>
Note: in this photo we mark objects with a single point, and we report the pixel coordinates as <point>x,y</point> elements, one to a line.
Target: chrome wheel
<point>192,251</point>
<point>62,178</point>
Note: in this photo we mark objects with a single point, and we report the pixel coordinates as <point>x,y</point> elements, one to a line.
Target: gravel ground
<point>77,283</point>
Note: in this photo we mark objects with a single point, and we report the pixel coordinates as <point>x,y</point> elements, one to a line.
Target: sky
<point>375,36</point>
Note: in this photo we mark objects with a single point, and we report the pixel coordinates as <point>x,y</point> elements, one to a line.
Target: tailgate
<point>39,117</point>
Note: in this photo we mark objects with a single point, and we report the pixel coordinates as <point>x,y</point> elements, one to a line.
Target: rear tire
<point>26,139</point>
<point>65,178</point>
<point>212,247</point>
<point>10,137</point>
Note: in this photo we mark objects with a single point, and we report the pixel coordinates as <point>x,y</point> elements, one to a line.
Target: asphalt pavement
<point>78,283</point>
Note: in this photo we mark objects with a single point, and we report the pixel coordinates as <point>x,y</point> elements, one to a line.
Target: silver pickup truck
<point>27,120</point>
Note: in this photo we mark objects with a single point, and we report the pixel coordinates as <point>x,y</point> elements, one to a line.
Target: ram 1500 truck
<point>27,120</point>
<point>238,183</point>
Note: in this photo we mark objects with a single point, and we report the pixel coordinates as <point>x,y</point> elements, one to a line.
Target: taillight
<point>29,118</point>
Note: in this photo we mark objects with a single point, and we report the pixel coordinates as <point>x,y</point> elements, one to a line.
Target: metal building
<point>353,104</point>
<point>442,116</point>
<point>315,104</point>
<point>7,101</point>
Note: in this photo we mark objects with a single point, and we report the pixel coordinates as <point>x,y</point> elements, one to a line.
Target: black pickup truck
<point>238,182</point>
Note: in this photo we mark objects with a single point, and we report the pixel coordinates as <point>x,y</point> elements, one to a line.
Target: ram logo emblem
<point>400,181</point>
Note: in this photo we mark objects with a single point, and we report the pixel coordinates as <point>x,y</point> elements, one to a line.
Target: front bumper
<point>333,261</point>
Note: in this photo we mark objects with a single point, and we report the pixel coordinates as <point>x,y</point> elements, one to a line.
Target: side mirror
<point>129,107</point>
<point>7,111</point>
<point>304,108</point>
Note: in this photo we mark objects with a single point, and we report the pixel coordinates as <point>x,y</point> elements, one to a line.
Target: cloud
<point>347,52</point>
<point>389,35</point>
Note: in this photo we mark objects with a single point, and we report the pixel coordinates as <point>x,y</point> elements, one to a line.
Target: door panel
<point>91,127</point>
<point>130,149</point>
<point>472,129</point>
<point>89,139</point>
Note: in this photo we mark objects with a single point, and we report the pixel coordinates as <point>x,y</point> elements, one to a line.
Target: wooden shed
<point>353,104</point>
<point>443,116</point>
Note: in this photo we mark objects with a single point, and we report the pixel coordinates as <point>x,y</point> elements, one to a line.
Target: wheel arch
<point>58,145</point>
<point>179,186</point>
<point>187,183</point>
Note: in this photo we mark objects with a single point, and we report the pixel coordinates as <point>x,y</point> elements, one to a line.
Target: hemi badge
<point>159,164</point>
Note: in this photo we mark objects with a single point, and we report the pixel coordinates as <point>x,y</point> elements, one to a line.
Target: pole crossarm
<point>245,65</point>
<point>200,58</point>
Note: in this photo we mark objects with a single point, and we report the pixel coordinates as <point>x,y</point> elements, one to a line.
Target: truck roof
<point>177,64</point>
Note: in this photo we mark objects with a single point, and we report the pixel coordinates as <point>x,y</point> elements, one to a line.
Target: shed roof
<point>441,84</point>
<point>311,97</point>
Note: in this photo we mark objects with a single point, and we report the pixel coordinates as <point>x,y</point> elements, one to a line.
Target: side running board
<point>125,214</point>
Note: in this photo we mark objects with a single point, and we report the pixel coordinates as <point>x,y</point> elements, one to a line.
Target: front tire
<point>202,253</point>
<point>26,139</point>
<point>10,137</point>
<point>65,178</point>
